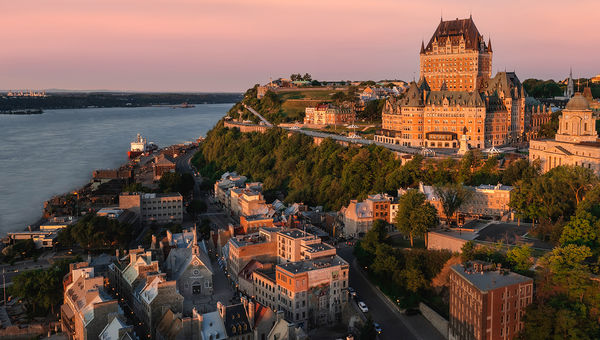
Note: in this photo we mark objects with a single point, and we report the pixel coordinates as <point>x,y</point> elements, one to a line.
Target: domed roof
<point>578,103</point>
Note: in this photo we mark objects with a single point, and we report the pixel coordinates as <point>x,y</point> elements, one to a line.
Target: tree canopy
<point>415,215</point>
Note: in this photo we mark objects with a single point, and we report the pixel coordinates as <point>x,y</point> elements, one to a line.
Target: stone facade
<point>328,114</point>
<point>576,142</point>
<point>154,208</point>
<point>358,217</point>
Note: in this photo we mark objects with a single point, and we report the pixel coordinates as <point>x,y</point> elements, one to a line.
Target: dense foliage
<point>401,273</point>
<point>549,88</point>
<point>96,232</point>
<point>294,168</point>
<point>41,289</point>
<point>176,182</point>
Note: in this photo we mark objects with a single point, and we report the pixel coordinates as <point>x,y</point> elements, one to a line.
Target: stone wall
<point>435,319</point>
<point>439,241</point>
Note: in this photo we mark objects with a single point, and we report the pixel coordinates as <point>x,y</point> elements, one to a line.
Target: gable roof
<point>454,31</point>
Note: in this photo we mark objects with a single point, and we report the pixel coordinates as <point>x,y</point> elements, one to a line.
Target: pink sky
<point>228,45</point>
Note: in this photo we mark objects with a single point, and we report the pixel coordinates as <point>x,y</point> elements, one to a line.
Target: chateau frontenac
<point>456,96</point>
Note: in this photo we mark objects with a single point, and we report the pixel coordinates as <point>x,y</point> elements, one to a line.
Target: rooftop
<point>309,265</point>
<point>295,233</point>
<point>317,247</point>
<point>486,280</point>
<point>245,240</point>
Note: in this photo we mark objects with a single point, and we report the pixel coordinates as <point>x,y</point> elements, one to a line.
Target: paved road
<point>394,324</point>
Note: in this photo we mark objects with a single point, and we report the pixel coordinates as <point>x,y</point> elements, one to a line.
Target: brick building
<point>162,164</point>
<point>487,302</point>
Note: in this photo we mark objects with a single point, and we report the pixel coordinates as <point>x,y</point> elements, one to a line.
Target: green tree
<point>468,251</point>
<point>414,279</point>
<point>452,197</point>
<point>415,215</point>
<point>569,269</point>
<point>583,230</point>
<point>520,257</point>
<point>375,236</point>
<point>521,169</point>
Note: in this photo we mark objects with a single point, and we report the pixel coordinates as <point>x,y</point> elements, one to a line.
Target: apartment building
<point>154,208</point>
<point>260,246</point>
<point>251,224</point>
<point>312,292</point>
<point>487,302</point>
<point>228,181</point>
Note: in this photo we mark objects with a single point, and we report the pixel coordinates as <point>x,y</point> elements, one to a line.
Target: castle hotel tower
<point>457,99</point>
<point>456,56</point>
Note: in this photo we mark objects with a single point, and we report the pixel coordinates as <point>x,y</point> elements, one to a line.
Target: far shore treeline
<point>76,100</point>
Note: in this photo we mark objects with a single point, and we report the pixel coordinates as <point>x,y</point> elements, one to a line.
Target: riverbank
<point>22,112</point>
<point>47,155</point>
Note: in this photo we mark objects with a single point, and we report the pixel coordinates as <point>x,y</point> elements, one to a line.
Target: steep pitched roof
<point>455,31</point>
<point>236,320</point>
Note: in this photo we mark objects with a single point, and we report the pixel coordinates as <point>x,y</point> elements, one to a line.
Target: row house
<point>358,217</point>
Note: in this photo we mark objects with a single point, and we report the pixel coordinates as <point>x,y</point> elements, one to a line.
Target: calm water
<point>48,154</point>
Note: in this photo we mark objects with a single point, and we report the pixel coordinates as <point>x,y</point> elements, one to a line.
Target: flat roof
<point>295,233</point>
<point>240,241</point>
<point>315,264</point>
<point>492,231</point>
<point>489,280</point>
<point>317,247</point>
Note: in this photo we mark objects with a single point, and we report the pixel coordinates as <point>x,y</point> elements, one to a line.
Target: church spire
<point>422,47</point>
<point>490,44</point>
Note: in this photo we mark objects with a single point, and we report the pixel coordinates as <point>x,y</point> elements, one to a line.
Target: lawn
<point>307,94</point>
<point>294,109</point>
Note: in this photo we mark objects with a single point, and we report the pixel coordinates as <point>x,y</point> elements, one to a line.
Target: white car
<point>363,307</point>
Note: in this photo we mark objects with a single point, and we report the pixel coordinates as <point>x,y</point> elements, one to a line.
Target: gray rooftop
<point>488,280</point>
<point>295,233</point>
<point>316,247</point>
<point>308,265</point>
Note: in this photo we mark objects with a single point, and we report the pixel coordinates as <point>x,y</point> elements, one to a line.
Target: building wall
<point>240,256</point>
<point>439,241</point>
<point>551,154</point>
<point>493,314</point>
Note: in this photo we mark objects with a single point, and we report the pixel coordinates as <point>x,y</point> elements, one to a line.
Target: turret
<point>490,45</point>
<point>422,47</point>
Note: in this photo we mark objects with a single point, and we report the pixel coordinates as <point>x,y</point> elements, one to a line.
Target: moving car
<point>363,307</point>
<point>351,291</point>
<point>377,327</point>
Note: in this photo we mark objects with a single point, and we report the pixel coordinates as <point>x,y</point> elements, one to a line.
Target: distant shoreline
<point>22,112</point>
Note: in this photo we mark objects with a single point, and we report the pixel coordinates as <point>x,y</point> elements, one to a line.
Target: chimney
<point>169,237</point>
<point>279,315</point>
<point>197,319</point>
<point>244,301</point>
<point>153,245</point>
<point>221,309</point>
<point>251,313</point>
<point>231,230</point>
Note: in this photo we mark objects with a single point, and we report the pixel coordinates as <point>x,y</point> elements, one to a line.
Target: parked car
<point>363,307</point>
<point>377,327</point>
<point>351,291</point>
<point>412,311</point>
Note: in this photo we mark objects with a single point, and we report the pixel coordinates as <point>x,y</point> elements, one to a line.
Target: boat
<point>141,146</point>
<point>184,105</point>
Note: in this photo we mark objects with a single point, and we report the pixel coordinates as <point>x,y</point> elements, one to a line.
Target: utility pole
<point>4,284</point>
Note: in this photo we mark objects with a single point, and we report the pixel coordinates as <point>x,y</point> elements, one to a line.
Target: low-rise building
<point>228,181</point>
<point>162,164</point>
<point>87,309</point>
<point>329,114</point>
<point>154,208</point>
<point>251,224</point>
<point>484,201</point>
<point>487,302</point>
<point>358,217</point>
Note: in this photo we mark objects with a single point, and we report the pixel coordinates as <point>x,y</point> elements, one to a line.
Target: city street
<point>395,325</point>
